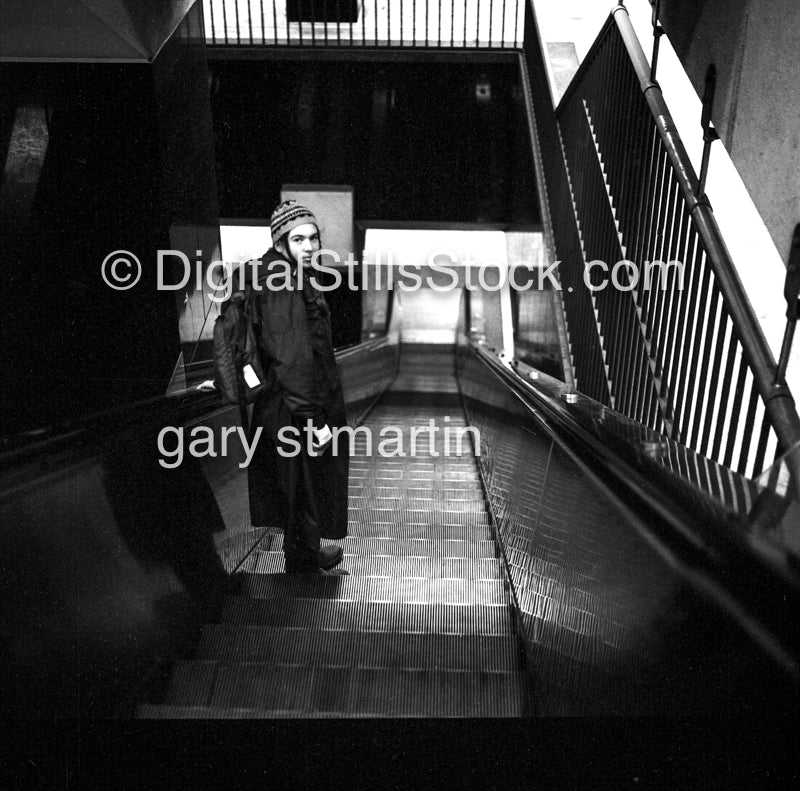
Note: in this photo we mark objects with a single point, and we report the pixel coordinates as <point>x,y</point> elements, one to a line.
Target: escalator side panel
<point>114,561</point>
<point>610,627</point>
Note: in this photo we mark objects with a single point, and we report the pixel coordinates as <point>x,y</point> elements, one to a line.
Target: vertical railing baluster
<point>703,343</point>
<point>686,326</point>
<point>724,395</point>
<point>761,449</point>
<point>673,293</point>
<point>634,209</point>
<point>677,325</point>
<point>640,201</point>
<point>749,422</point>
<point>712,405</point>
<point>662,299</point>
<point>225,19</point>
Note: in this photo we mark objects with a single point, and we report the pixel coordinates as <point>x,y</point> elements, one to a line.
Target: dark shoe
<point>330,556</point>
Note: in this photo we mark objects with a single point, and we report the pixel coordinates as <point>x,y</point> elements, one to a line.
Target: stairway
<point>422,626</point>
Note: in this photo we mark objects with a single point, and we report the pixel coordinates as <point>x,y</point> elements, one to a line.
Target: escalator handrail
<point>708,542</point>
<point>174,409</point>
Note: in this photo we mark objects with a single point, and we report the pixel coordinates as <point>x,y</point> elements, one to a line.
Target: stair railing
<point>682,348</point>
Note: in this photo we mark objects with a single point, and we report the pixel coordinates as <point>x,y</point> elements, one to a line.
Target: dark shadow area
<point>166,516</point>
<point>93,187</point>
<point>418,141</point>
<point>111,568</point>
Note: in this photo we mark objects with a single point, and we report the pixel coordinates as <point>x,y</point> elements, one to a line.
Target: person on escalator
<point>303,492</point>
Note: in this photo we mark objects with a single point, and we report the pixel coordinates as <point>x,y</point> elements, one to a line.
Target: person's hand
<point>321,439</point>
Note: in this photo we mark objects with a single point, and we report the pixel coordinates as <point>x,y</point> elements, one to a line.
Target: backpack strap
<point>241,345</point>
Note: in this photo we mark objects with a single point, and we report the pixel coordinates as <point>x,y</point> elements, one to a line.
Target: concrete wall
<point>755,47</point>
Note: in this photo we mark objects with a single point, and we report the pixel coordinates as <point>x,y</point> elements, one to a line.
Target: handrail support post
<point>709,132</point>
<point>791,292</point>
<point>658,31</point>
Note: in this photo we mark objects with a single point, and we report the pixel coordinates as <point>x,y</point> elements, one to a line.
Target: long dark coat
<point>302,383</point>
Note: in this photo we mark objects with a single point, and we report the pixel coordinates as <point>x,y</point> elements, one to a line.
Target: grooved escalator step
<point>419,547</point>
<point>449,473</point>
<point>397,518</point>
<point>411,503</point>
<point>337,615</point>
<point>390,692</point>
<point>420,529</point>
<point>400,590</point>
<point>390,566</point>
<point>361,649</point>
<point>366,481</point>
<point>408,491</point>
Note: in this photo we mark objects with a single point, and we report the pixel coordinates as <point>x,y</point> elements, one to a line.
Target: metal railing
<point>562,239</point>
<point>684,353</point>
<point>365,23</point>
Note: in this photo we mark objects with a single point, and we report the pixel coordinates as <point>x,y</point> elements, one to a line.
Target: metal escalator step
<point>337,615</point>
<point>366,513</point>
<point>412,590</point>
<point>391,566</point>
<point>363,649</point>
<point>362,485</point>
<point>420,529</point>
<point>424,693</point>
<point>416,503</point>
<point>413,490</point>
<point>377,476</point>
<point>432,546</point>
<point>191,683</point>
<point>285,690</point>
<point>429,466</point>
<point>151,711</point>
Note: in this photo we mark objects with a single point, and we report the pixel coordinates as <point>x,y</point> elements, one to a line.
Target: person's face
<point>303,242</point>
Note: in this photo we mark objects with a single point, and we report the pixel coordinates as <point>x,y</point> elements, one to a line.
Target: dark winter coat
<point>302,383</point>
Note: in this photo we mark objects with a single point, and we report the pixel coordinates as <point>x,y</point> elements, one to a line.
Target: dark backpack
<point>238,371</point>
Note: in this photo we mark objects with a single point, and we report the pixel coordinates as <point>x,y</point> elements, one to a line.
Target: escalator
<point>423,626</point>
<point>579,565</point>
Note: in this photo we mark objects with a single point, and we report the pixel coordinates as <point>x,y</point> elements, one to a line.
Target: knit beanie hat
<point>287,216</point>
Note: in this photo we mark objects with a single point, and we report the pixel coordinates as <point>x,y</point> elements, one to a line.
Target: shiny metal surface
<point>424,626</point>
<point>613,625</point>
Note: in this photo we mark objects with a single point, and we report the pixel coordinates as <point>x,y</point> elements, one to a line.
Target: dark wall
<point>412,139</point>
<point>70,344</point>
<point>99,157</point>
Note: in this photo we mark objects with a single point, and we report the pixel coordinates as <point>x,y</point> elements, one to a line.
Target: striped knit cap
<point>287,216</point>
